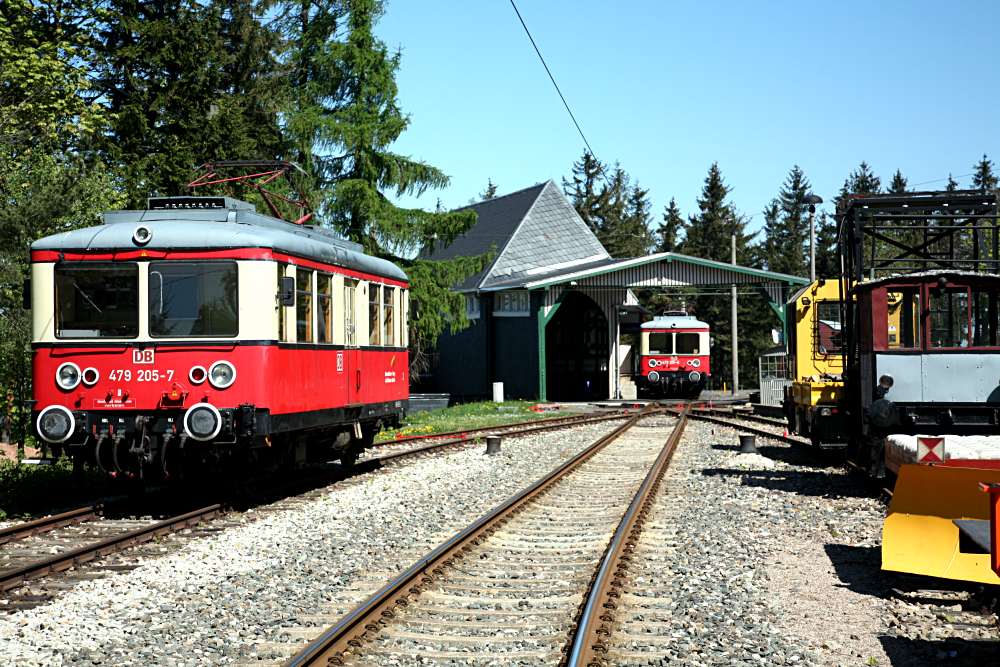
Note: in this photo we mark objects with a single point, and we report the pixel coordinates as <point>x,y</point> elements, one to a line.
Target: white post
<point>498,392</point>
<point>736,345</point>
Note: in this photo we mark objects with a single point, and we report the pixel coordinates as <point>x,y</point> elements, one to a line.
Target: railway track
<point>37,549</point>
<point>514,585</point>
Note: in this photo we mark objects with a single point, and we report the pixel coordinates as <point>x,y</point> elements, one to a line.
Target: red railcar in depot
<point>199,330</point>
<point>674,356</point>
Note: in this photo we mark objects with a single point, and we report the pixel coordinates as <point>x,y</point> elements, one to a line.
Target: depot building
<point>549,313</point>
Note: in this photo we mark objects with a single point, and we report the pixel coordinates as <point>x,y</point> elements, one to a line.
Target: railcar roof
<point>922,276</point>
<point>675,322</point>
<point>222,228</point>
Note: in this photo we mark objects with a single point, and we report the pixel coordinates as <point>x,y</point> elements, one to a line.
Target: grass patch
<point>464,416</point>
<point>26,490</point>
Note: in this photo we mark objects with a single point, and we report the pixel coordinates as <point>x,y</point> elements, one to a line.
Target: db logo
<point>142,356</point>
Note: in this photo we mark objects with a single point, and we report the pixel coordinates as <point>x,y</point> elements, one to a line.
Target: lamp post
<point>812,199</point>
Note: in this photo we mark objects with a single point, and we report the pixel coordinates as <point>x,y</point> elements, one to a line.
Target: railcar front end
<point>813,400</point>
<point>674,357</point>
<point>167,339</point>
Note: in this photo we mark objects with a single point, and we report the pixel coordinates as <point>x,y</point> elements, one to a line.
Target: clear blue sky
<point>666,88</point>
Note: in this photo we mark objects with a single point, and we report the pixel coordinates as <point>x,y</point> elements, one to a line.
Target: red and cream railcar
<point>674,356</point>
<point>199,329</point>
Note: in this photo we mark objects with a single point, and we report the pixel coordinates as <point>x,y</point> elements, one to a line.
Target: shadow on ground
<point>905,652</point>
<point>799,482</point>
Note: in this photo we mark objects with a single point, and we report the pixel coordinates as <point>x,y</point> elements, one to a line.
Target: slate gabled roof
<point>533,231</point>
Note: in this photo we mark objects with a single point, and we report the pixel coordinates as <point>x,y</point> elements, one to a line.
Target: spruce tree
<point>898,183</point>
<point>708,233</point>
<point>786,226</point>
<point>827,260</point>
<point>984,178</point>
<point>586,191</point>
<point>952,184</point>
<point>862,181</point>
<point>709,236</point>
<point>490,192</point>
<point>183,83</point>
<point>346,119</point>
<point>668,235</point>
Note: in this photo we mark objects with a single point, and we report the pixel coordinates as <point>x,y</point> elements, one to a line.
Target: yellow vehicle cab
<point>812,401</point>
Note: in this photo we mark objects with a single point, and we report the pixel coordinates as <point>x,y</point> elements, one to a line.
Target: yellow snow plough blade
<point>918,535</point>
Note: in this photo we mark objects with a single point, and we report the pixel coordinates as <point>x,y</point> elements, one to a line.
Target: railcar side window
<point>193,299</point>
<point>404,325</point>
<point>950,317</point>
<point>985,316</point>
<point>827,331</point>
<point>324,301</point>
<point>303,306</point>
<point>686,343</point>
<point>350,331</point>
<point>97,300</point>
<point>374,301</point>
<point>282,324</point>
<point>903,321</point>
<point>388,315</point>
<point>660,343</point>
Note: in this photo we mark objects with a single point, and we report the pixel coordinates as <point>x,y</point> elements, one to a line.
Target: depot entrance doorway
<point>576,341</point>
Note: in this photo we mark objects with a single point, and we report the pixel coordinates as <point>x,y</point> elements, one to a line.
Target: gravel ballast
<point>773,559</point>
<point>220,598</point>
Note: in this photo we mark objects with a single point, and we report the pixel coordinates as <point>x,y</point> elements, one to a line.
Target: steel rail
<point>771,421</point>
<point>350,630</point>
<point>475,438</point>
<point>481,429</point>
<point>749,429</point>
<point>592,625</point>
<point>12,578</point>
<point>45,524</point>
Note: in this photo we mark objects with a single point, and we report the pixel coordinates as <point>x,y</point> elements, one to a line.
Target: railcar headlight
<point>142,235</point>
<point>825,412</point>
<point>55,424</point>
<point>694,376</point>
<point>885,382</point>
<point>653,376</point>
<point>202,421</point>
<point>68,375</point>
<point>222,374</point>
<point>197,374</point>
<point>90,376</point>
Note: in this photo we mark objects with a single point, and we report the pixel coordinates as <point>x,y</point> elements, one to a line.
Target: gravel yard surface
<point>774,559</point>
<point>227,596</point>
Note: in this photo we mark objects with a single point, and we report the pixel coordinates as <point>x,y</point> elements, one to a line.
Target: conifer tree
<point>984,178</point>
<point>827,260</point>
<point>786,227</point>
<point>584,189</point>
<point>952,184</point>
<point>862,181</point>
<point>709,236</point>
<point>183,83</point>
<point>898,184</point>
<point>490,192</point>
<point>669,232</point>
<point>345,121</point>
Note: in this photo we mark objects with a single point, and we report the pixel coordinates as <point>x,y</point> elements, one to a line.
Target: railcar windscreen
<point>97,300</point>
<point>193,299</point>
<point>661,343</point>
<point>686,343</point>
<point>827,331</point>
